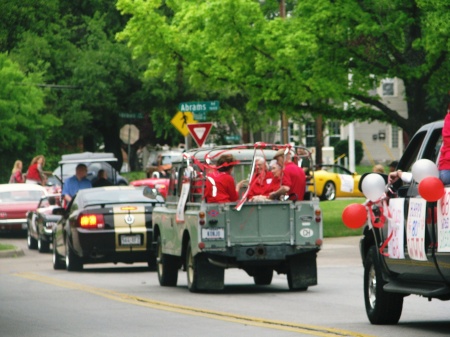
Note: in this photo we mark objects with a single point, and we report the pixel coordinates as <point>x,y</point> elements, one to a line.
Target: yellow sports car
<point>335,181</point>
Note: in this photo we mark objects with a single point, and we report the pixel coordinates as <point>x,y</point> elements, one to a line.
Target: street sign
<point>200,116</point>
<point>131,115</point>
<point>231,138</point>
<point>129,134</point>
<point>200,132</point>
<point>198,107</point>
<point>181,120</point>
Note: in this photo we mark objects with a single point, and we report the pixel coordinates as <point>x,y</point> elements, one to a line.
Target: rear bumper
<point>259,254</point>
<point>96,246</point>
<point>8,225</point>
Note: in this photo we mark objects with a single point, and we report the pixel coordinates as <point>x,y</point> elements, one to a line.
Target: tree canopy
<point>299,64</point>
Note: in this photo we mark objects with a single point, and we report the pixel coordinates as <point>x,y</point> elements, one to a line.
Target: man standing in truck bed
<point>293,181</point>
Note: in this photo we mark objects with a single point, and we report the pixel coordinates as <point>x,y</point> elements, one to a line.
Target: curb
<point>12,253</point>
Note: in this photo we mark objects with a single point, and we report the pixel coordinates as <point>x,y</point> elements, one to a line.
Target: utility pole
<point>284,119</point>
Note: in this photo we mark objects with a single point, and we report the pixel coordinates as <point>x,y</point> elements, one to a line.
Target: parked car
<point>15,201</point>
<point>41,221</point>
<point>105,224</point>
<point>406,250</point>
<point>94,162</point>
<point>332,181</point>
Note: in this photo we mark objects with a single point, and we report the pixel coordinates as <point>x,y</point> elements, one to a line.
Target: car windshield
<point>105,196</point>
<point>18,196</point>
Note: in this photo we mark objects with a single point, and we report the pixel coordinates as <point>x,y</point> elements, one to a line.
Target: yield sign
<point>199,132</point>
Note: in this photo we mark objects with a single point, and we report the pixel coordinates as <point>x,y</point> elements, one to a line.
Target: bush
<point>342,147</point>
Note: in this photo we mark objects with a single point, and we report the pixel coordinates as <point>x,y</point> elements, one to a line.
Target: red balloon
<point>431,189</point>
<point>354,216</point>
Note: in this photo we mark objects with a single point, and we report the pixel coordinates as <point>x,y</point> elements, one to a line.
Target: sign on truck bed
<point>258,237</point>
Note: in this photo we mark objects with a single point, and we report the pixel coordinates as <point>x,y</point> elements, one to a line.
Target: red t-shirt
<point>220,187</point>
<point>33,173</point>
<point>295,178</point>
<point>261,185</point>
<point>444,158</point>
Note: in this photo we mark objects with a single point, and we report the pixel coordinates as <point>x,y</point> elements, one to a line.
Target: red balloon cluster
<point>354,216</point>
<point>431,189</point>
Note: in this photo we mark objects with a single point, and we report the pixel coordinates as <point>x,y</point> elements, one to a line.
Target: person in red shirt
<point>444,157</point>
<point>220,185</point>
<point>35,173</point>
<point>273,184</point>
<point>16,174</point>
<point>261,180</point>
<point>293,181</point>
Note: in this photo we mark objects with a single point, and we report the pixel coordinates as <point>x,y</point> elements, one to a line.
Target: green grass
<point>332,217</point>
<point>4,246</point>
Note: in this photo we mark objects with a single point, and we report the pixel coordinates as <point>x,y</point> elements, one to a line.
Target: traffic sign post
<point>181,120</point>
<point>200,132</point>
<point>129,134</point>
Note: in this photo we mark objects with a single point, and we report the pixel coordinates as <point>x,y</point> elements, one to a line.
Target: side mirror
<point>152,193</point>
<point>58,211</point>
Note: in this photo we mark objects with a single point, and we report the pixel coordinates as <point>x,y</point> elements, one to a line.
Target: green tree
<point>25,127</point>
<point>300,64</point>
<point>382,39</point>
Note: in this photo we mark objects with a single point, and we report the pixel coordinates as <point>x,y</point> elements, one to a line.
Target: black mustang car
<point>40,223</point>
<point>105,224</point>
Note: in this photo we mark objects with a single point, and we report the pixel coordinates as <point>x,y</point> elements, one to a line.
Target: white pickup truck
<point>258,237</point>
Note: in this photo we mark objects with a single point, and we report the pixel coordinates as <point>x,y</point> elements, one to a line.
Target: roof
<point>87,157</point>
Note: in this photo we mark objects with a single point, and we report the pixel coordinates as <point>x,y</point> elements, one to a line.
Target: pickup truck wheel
<point>202,275</point>
<point>263,277</point>
<point>43,246</point>
<point>31,242</point>
<point>167,267</point>
<point>57,259</point>
<point>73,262</point>
<point>381,307</point>
<point>329,191</point>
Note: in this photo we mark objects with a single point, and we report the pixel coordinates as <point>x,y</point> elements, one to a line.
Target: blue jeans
<point>444,175</point>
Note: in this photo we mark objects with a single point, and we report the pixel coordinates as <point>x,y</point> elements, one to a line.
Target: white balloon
<point>373,186</point>
<point>424,168</point>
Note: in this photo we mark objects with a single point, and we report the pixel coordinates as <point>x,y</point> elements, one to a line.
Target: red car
<point>16,200</point>
<point>161,184</point>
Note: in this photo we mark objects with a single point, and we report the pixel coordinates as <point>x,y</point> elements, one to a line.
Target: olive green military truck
<point>205,239</point>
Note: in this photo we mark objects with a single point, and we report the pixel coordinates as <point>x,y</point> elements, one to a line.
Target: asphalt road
<point>126,300</point>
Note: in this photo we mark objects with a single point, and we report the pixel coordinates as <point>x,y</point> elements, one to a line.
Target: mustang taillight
<point>91,221</point>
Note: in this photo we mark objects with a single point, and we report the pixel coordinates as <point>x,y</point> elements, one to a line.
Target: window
<point>334,130</point>
<point>388,87</point>
<point>394,137</point>
<point>310,129</point>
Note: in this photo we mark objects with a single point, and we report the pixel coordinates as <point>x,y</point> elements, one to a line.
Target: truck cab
<point>260,237</point>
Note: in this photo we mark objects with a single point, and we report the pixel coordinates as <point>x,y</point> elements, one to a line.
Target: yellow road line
<point>181,309</point>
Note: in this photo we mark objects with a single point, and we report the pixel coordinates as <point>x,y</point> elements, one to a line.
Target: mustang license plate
<point>213,234</point>
<point>130,240</point>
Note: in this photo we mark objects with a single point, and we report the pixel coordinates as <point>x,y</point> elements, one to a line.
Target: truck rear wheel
<point>381,307</point>
<point>167,267</point>
<point>201,274</point>
<point>263,276</point>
